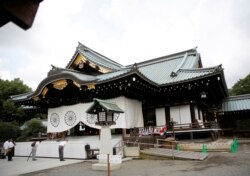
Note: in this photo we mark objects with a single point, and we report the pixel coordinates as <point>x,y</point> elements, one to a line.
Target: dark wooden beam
<point>20,12</point>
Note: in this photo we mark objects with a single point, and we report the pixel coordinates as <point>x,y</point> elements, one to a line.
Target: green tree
<point>31,129</point>
<point>13,87</point>
<point>9,130</point>
<point>8,110</point>
<point>241,87</point>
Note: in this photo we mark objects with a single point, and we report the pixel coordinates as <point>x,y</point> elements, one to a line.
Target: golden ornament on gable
<point>60,84</point>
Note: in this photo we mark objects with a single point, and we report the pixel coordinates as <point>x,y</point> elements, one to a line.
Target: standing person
<point>10,149</point>
<point>5,146</point>
<point>61,147</point>
<point>34,146</point>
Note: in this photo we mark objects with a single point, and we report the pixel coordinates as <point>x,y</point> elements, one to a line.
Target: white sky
<point>128,31</point>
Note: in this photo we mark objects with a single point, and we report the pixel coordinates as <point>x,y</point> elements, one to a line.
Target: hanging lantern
<point>203,95</point>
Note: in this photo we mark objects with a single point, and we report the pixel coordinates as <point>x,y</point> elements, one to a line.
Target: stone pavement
<point>20,165</point>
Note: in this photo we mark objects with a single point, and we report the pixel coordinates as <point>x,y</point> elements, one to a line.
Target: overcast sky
<point>128,31</point>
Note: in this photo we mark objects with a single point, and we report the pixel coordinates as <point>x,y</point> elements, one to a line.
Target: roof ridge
<point>106,101</point>
<point>178,67</point>
<point>164,58</point>
<point>217,67</point>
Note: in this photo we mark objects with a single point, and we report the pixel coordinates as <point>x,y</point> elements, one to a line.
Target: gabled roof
<point>107,105</point>
<point>159,71</point>
<point>236,103</point>
<point>95,58</point>
<point>175,68</point>
<point>185,65</point>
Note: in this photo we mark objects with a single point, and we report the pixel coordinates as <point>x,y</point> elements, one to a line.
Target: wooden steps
<point>176,154</point>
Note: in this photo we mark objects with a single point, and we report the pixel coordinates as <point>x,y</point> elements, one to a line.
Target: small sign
<point>113,159</point>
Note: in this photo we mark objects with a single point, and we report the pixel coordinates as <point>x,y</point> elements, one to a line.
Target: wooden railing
<point>204,125</point>
<point>150,130</point>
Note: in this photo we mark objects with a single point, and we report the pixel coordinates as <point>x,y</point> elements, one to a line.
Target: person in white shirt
<point>11,146</point>
<point>61,147</point>
<point>5,146</point>
<point>33,151</point>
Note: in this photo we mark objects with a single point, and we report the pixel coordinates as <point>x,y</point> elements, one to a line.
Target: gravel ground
<point>217,163</point>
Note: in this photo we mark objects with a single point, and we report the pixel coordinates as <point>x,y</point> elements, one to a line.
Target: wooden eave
<point>94,80</point>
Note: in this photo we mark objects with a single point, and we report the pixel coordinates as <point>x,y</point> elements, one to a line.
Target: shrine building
<point>154,92</point>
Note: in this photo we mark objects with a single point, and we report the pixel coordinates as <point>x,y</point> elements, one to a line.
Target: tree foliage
<point>9,130</point>
<point>241,87</point>
<point>31,129</point>
<point>8,110</point>
<point>13,87</point>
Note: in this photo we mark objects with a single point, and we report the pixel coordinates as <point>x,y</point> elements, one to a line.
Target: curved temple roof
<point>163,71</point>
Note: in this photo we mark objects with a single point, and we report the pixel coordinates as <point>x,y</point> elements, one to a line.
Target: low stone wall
<point>131,151</point>
<point>73,149</point>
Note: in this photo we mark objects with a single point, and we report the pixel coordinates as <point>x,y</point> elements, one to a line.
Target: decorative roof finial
<point>134,67</point>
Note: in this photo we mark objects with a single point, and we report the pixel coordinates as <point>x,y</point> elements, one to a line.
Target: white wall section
<point>66,117</point>
<point>160,116</point>
<point>180,114</point>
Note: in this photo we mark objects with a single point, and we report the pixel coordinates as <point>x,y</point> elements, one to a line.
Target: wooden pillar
<point>124,133</point>
<point>192,113</point>
<point>167,114</point>
<point>191,135</point>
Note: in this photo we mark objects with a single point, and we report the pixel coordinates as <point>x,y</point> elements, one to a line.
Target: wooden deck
<point>175,154</point>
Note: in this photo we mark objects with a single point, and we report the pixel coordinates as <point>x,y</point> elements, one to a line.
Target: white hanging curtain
<point>65,117</point>
<point>160,116</point>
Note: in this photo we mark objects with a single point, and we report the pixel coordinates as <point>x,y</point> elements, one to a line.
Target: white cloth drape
<point>65,117</point>
<point>160,116</point>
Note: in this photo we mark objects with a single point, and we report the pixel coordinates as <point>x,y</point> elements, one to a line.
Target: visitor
<point>11,146</point>
<point>34,146</point>
<point>61,148</point>
<point>5,147</point>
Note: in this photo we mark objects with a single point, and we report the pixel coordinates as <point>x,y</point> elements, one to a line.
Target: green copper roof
<point>174,70</point>
<point>236,103</point>
<point>107,105</point>
<point>96,58</point>
<point>112,75</point>
<point>163,71</point>
<point>170,69</point>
